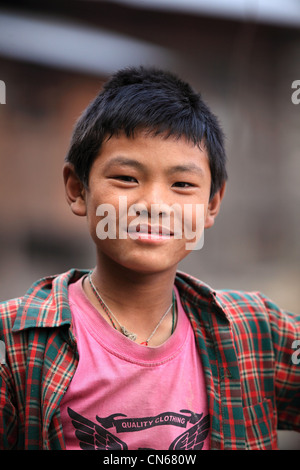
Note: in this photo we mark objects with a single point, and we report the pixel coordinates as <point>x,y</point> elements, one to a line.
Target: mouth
<point>150,232</point>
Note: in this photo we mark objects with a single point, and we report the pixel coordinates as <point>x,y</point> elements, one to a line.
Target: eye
<point>126,178</point>
<point>183,184</point>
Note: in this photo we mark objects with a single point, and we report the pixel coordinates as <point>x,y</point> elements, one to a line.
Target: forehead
<point>145,151</point>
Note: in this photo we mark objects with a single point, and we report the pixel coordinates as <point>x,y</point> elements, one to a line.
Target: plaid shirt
<point>244,340</point>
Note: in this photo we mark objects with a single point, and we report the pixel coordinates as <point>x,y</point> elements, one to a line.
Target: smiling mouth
<point>150,232</point>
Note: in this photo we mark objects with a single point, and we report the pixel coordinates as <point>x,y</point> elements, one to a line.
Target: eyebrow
<point>129,162</point>
<point>123,161</point>
<point>189,168</point>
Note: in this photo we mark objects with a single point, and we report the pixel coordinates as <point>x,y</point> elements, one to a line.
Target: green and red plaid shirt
<point>244,340</point>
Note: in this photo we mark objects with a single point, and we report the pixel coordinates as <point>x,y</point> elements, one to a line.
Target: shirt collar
<point>197,292</point>
<point>46,303</point>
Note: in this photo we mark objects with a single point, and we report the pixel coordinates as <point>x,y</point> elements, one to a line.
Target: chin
<point>144,261</point>
<point>148,266</point>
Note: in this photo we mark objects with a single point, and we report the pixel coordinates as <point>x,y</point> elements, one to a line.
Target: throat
<point>141,329</point>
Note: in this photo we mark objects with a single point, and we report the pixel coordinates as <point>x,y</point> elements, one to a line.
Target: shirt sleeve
<point>8,415</point>
<point>285,328</point>
<point>9,419</point>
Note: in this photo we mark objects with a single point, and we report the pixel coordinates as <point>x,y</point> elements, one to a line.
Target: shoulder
<point>44,294</point>
<point>251,307</point>
<point>256,307</point>
<point>8,313</point>
<point>244,303</point>
<point>230,300</point>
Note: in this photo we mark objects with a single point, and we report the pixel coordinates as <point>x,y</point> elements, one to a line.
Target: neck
<point>138,300</point>
<point>133,290</point>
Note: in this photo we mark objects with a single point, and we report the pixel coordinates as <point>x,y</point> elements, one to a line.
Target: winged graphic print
<point>194,438</point>
<point>92,436</point>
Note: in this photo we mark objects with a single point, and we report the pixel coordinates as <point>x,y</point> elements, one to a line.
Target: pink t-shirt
<point>127,396</point>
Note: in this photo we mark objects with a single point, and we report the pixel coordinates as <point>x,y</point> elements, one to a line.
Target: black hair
<point>156,101</point>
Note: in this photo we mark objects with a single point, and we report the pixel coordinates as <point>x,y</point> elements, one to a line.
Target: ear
<point>75,190</point>
<point>214,207</point>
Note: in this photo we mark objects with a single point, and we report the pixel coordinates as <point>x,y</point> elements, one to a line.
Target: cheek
<point>194,217</point>
<point>102,213</point>
<point>193,226</point>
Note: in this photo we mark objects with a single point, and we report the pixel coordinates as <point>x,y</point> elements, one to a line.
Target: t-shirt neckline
<point>116,343</point>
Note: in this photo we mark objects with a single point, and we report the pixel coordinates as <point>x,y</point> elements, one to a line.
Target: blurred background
<point>241,55</point>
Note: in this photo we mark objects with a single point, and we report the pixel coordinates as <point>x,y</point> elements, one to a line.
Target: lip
<point>146,232</point>
<point>150,229</point>
<point>148,237</point>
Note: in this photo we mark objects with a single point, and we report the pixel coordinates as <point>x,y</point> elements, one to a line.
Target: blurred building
<point>243,58</point>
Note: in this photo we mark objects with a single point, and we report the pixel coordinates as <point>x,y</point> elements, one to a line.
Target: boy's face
<point>140,180</point>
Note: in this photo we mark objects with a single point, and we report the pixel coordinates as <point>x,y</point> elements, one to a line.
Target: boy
<point>133,354</point>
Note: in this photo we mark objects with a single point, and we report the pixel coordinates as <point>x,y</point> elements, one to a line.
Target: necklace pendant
<point>144,343</point>
<point>127,333</point>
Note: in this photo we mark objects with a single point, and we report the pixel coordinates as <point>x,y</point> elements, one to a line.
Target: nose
<point>152,200</point>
